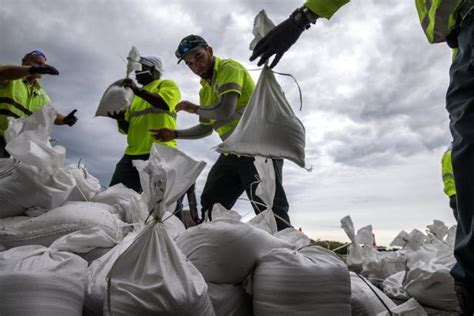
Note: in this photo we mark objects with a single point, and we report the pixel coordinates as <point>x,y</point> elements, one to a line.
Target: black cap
<point>189,44</point>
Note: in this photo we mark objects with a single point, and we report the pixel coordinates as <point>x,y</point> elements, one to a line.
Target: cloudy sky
<point>373,96</point>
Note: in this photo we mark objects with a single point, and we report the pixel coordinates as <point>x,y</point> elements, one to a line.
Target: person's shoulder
<point>168,83</point>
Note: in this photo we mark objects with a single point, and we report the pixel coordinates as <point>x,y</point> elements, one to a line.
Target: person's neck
<point>210,72</point>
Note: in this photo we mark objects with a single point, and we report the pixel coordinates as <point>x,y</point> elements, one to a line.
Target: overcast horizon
<point>373,97</point>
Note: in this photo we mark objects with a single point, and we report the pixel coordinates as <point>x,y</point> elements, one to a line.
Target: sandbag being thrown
<point>268,127</point>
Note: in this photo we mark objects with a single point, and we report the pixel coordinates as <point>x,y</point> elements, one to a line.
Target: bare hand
<point>163,134</point>
<point>187,107</point>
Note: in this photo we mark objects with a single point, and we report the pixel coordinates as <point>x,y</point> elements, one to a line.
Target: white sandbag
<point>230,300</point>
<point>165,177</point>
<point>28,141</point>
<point>116,98</point>
<point>126,201</point>
<point>153,277</point>
<point>133,61</point>
<point>409,308</point>
<point>173,225</point>
<point>87,186</point>
<point>28,187</point>
<point>432,285</point>
<point>393,286</point>
<point>438,229</point>
<point>71,217</point>
<point>96,284</point>
<point>35,280</point>
<point>225,250</point>
<point>89,243</point>
<point>266,221</point>
<point>366,298</point>
<point>12,221</point>
<point>268,127</point>
<point>219,212</point>
<point>293,237</point>
<point>311,281</point>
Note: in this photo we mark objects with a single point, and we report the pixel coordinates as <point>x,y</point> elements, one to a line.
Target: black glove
<point>281,38</point>
<point>44,70</point>
<point>119,116</point>
<point>70,119</point>
<point>131,84</point>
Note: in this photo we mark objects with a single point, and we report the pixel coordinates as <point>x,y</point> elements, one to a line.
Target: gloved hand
<point>119,116</point>
<point>70,119</point>
<point>44,70</point>
<point>163,134</point>
<point>129,83</point>
<point>281,38</point>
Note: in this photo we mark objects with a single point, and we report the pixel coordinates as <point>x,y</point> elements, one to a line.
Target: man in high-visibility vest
<point>448,180</point>
<point>450,21</point>
<point>152,107</point>
<point>21,93</point>
<point>226,87</point>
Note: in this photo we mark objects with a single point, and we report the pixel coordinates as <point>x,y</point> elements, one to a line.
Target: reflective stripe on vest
<point>438,18</point>
<point>16,105</point>
<point>225,127</point>
<point>152,110</point>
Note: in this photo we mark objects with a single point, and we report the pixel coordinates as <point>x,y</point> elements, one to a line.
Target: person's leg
<point>3,152</point>
<point>460,105</point>
<point>127,174</point>
<point>249,176</point>
<point>222,185</point>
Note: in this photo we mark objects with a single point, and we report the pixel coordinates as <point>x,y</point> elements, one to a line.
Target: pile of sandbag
<point>419,269</point>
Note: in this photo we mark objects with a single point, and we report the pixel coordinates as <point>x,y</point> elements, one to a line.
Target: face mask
<point>144,77</point>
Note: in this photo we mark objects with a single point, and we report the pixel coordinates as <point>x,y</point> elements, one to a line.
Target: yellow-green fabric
<point>437,18</point>
<point>447,172</point>
<point>228,76</point>
<point>142,116</point>
<point>325,8</point>
<point>19,99</point>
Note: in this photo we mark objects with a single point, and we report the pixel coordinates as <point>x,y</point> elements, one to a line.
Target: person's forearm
<point>13,72</point>
<point>154,99</point>
<point>195,132</point>
<point>222,110</point>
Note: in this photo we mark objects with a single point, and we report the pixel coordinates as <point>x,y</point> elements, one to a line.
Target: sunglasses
<point>38,53</point>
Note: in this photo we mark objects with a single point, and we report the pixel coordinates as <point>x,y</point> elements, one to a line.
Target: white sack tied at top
<point>153,277</point>
<point>268,127</point>
<point>117,98</point>
<point>28,141</point>
<point>165,177</point>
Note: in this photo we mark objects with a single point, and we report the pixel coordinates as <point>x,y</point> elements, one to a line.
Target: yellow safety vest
<point>19,99</point>
<point>142,117</point>
<point>228,76</point>
<point>447,173</point>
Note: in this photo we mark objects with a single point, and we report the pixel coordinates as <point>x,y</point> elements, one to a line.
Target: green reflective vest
<point>228,76</point>
<point>142,117</point>
<point>325,8</point>
<point>19,99</point>
<point>438,18</point>
<point>447,172</point>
